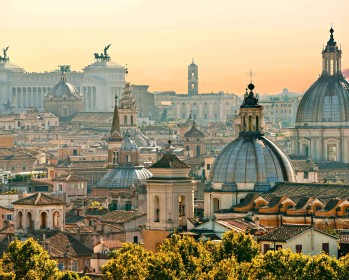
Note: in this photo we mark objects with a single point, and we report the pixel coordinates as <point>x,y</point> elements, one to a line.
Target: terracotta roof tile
<point>121,216</point>
<point>304,165</point>
<point>59,241</point>
<point>170,161</point>
<point>284,233</point>
<point>39,199</point>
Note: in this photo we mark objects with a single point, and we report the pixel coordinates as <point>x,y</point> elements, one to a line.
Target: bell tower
<point>115,139</point>
<point>331,57</point>
<point>251,113</point>
<point>193,79</point>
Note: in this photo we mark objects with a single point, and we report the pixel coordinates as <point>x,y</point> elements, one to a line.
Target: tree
<point>70,275</point>
<point>28,260</point>
<point>225,269</point>
<point>280,264</point>
<point>130,262</point>
<point>194,260</point>
<point>241,246</point>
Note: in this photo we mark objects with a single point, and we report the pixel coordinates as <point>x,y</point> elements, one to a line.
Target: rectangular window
<point>60,266</point>
<point>9,217</point>
<point>306,174</point>
<point>60,187</point>
<point>266,248</point>
<point>326,248</point>
<point>298,248</point>
<point>277,247</point>
<point>135,239</point>
<point>75,266</point>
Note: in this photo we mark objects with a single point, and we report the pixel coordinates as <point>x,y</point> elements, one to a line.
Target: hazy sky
<point>280,40</point>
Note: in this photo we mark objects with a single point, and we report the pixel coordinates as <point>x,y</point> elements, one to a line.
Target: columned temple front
<point>98,83</point>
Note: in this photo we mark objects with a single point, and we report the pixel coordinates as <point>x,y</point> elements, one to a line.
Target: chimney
<point>256,222</point>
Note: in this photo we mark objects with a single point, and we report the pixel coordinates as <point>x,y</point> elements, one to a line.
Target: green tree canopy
<point>243,247</point>
<point>28,260</point>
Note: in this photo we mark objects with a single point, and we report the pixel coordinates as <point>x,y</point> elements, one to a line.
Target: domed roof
<point>124,176</point>
<point>129,144</point>
<point>194,132</point>
<point>63,88</point>
<point>251,158</point>
<point>327,100</point>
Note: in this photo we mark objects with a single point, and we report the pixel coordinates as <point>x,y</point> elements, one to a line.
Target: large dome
<point>325,102</point>
<point>124,176</point>
<point>251,159</point>
<point>63,88</point>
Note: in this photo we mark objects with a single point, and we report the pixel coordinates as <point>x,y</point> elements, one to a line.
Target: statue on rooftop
<point>103,56</point>
<point>5,58</point>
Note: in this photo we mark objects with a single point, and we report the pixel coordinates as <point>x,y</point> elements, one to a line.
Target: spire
<point>115,128</point>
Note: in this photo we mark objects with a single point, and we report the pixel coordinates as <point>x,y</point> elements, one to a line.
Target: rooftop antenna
<point>126,70</point>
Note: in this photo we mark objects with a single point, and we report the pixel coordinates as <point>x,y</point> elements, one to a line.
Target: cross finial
<point>251,74</point>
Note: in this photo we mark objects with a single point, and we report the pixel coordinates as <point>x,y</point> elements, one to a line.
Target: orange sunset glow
<point>281,41</point>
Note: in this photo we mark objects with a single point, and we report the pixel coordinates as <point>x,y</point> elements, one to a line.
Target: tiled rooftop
<point>121,216</point>
<point>170,161</point>
<point>39,199</point>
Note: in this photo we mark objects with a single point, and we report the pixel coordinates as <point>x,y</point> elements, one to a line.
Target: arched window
<point>56,219</point>
<point>215,204</point>
<point>198,150</point>
<point>20,219</point>
<point>116,157</point>
<point>125,120</point>
<point>43,220</point>
<point>250,123</point>
<point>156,209</point>
<point>181,206</point>
<point>29,222</point>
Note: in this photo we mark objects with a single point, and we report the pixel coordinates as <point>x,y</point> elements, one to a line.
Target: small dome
<point>325,102</point>
<point>194,132</point>
<point>63,88</point>
<point>252,159</point>
<point>124,176</point>
<point>129,144</point>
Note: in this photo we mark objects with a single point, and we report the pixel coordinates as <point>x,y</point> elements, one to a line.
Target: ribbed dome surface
<point>251,159</point>
<point>327,100</point>
<point>129,145</point>
<point>63,88</point>
<point>124,176</point>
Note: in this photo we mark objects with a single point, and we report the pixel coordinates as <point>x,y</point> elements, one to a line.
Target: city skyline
<point>280,42</point>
